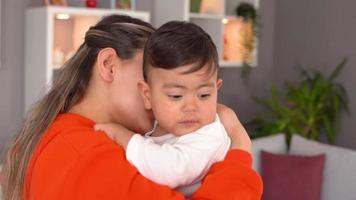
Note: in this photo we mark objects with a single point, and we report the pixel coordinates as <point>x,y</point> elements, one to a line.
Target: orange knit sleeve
<point>104,173</point>
<point>232,178</point>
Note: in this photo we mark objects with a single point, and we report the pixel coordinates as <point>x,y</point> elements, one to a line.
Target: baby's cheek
<point>210,116</point>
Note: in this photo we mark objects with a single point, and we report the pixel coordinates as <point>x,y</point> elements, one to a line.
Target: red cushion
<point>292,177</point>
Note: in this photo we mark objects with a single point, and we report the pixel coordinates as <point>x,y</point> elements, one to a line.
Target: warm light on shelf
<point>225,21</point>
<point>62,16</point>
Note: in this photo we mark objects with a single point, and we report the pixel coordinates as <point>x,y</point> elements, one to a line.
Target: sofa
<point>337,169</point>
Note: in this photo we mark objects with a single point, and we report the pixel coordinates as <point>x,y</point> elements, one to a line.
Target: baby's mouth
<point>189,122</point>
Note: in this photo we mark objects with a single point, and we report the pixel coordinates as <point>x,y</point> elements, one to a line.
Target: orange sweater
<point>72,161</point>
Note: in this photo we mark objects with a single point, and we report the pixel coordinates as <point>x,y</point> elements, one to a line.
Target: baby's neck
<point>158,132</point>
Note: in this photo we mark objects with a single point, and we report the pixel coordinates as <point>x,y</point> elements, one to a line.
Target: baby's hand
<point>120,134</point>
<point>111,129</point>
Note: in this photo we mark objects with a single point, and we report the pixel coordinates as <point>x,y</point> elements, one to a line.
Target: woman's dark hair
<point>177,44</point>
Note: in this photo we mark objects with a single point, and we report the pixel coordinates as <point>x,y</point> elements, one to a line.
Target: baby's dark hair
<point>177,44</point>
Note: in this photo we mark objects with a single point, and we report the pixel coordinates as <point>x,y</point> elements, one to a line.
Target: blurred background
<point>290,35</point>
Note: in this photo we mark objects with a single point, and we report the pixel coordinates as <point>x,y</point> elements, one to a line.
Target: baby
<point>180,85</point>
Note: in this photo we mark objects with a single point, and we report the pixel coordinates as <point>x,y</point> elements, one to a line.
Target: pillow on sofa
<point>274,144</point>
<point>339,177</point>
<point>291,177</point>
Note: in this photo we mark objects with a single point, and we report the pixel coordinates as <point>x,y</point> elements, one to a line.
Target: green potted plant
<point>248,13</point>
<point>310,107</point>
<point>195,6</point>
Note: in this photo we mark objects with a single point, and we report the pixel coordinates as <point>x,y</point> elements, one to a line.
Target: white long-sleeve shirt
<point>179,161</point>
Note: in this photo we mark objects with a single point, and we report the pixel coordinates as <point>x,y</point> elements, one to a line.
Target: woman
<point>58,155</point>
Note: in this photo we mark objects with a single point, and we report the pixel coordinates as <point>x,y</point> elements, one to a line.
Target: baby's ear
<point>145,92</point>
<point>219,83</point>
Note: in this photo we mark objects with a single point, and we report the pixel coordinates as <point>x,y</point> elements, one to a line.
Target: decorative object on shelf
<point>212,7</point>
<point>247,11</point>
<point>249,31</point>
<point>195,6</point>
<point>90,3</point>
<point>58,58</point>
<point>125,4</point>
<point>55,2</point>
<point>311,107</point>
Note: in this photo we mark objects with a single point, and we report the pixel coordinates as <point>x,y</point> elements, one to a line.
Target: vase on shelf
<point>123,4</point>
<point>90,3</point>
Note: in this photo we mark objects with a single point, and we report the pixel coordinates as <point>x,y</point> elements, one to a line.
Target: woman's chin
<point>143,123</point>
<point>142,128</point>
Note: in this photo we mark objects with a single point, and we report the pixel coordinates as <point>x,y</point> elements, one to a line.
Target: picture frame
<point>55,2</point>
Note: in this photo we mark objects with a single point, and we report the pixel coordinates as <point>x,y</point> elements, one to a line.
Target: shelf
<point>231,17</point>
<point>205,16</point>
<point>229,64</point>
<point>232,64</point>
<point>93,11</point>
<point>52,35</point>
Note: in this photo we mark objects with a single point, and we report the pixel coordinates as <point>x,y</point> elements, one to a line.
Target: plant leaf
<point>338,69</point>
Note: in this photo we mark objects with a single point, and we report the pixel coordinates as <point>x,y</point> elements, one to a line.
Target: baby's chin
<point>186,128</point>
<point>185,131</point>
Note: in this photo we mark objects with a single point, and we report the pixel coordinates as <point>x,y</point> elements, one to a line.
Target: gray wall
<point>11,71</point>
<point>318,34</point>
<point>314,33</point>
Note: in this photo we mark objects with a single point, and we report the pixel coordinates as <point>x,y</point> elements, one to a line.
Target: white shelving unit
<point>52,34</point>
<point>217,18</point>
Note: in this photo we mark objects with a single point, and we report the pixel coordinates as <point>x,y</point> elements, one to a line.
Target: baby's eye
<point>175,97</point>
<point>204,96</point>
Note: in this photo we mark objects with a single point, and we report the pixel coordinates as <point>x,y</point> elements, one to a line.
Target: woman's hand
<point>120,134</point>
<point>239,137</point>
